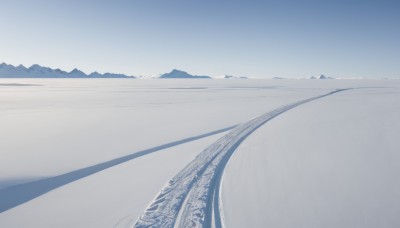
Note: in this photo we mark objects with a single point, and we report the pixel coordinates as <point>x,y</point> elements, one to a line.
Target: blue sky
<point>244,38</point>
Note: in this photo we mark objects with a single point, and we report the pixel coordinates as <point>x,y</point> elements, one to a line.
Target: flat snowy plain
<point>233,153</point>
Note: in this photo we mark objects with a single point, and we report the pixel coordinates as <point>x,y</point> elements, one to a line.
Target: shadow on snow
<point>16,195</point>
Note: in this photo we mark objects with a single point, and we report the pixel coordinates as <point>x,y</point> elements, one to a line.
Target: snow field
<point>51,127</point>
<point>328,163</point>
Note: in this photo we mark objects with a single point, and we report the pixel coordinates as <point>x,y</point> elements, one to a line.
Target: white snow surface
<point>191,198</point>
<point>56,126</point>
<point>97,152</point>
<point>333,162</point>
<point>115,197</point>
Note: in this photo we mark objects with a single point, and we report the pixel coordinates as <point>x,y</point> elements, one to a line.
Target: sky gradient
<point>244,38</point>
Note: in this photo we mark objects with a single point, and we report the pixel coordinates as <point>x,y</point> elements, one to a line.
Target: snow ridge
<point>192,197</point>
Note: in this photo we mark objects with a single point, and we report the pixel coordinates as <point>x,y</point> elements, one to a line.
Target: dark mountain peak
<point>95,75</point>
<point>324,77</point>
<point>180,74</point>
<point>35,66</point>
<point>175,71</point>
<point>3,65</point>
<point>75,71</point>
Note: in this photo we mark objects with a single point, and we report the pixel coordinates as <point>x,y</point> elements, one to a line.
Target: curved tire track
<point>191,198</point>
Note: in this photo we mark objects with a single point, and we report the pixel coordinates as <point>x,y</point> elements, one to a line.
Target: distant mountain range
<point>231,77</point>
<point>321,77</point>
<point>181,74</point>
<point>312,77</point>
<point>37,71</point>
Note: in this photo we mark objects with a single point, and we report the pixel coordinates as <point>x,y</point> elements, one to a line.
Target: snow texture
<point>96,152</point>
<point>329,163</point>
<point>199,181</point>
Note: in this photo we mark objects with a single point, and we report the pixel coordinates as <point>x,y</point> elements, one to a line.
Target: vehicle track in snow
<point>192,197</point>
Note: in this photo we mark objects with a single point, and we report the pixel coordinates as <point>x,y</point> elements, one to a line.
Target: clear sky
<point>255,38</point>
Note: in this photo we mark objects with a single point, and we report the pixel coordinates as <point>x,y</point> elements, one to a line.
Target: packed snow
<point>102,152</point>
